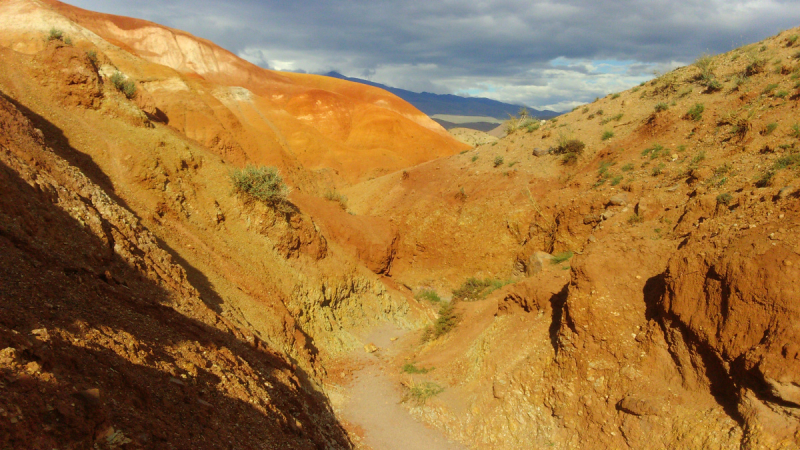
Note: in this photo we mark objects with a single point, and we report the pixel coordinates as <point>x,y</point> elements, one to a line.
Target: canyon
<point>621,276</point>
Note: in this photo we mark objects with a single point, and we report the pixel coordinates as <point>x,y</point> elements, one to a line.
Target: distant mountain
<point>432,104</point>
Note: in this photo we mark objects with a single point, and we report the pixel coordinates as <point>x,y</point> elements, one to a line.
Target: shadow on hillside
<point>721,385</point>
<point>91,352</point>
<point>196,278</point>
<point>55,139</point>
<point>557,303</point>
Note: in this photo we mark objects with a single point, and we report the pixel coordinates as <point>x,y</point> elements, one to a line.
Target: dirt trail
<point>373,405</point>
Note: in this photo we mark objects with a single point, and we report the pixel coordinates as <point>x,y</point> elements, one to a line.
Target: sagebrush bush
<point>420,393</point>
<point>412,368</point>
<point>429,295</point>
<point>608,134</point>
<point>335,196</point>
<point>696,112</point>
<point>55,35</point>
<point>262,183</point>
<point>476,289</point>
<point>124,85</point>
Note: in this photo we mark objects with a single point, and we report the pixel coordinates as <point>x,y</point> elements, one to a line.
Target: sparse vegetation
<point>696,112</point>
<point>92,55</point>
<point>700,156</point>
<point>429,295</point>
<point>661,107</point>
<point>635,218</point>
<point>615,96</point>
<point>755,67</point>
<point>261,183</point>
<point>498,161</point>
<point>770,128</point>
<point>788,161</point>
<point>55,35</point>
<point>769,88</point>
<point>795,131</point>
<point>724,199</point>
<point>447,319</point>
<point>615,118</point>
<point>656,151</point>
<point>627,167</point>
<point>657,170</point>
<point>558,258</point>
<point>335,196</point>
<point>476,289</point>
<point>474,158</point>
<point>791,40</point>
<point>124,85</point>
<point>570,149</point>
<point>413,369</point>
<point>420,393</point>
<point>608,134</point>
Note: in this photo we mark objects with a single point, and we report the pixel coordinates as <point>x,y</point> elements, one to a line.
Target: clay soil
<point>641,294</point>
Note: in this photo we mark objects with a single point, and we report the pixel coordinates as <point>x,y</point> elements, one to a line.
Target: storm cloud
<point>542,54</point>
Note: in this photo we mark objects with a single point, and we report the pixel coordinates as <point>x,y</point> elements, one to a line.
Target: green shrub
<point>724,199</point>
<point>696,112</point>
<point>569,158</point>
<point>791,40</point>
<point>765,179</point>
<point>616,180</point>
<point>566,146</point>
<point>781,94</point>
<point>657,170</point>
<point>420,393</point>
<point>55,35</point>
<point>124,85</point>
<point>770,87</point>
<point>429,295</point>
<point>700,156</point>
<point>635,218</point>
<point>447,319</point>
<point>795,133</point>
<point>770,128</point>
<point>712,85</point>
<point>788,161</point>
<point>608,134</point>
<point>411,368</point>
<point>92,55</point>
<point>476,289</point>
<point>337,197</point>
<point>474,158</point>
<point>262,183</point>
<point>615,96</point>
<point>627,167</point>
<point>661,107</point>
<point>755,67</point>
<point>498,161</point>
<point>656,151</point>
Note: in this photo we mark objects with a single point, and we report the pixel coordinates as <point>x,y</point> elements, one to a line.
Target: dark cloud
<point>451,46</point>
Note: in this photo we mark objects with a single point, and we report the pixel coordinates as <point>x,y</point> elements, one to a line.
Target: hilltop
<point>621,276</point>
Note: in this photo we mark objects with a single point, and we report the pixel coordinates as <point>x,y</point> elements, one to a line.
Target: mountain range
<point>433,104</point>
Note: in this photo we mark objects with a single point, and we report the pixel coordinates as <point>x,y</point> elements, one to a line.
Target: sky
<point>541,54</point>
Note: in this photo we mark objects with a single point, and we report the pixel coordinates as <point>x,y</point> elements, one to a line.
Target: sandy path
<point>374,404</point>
